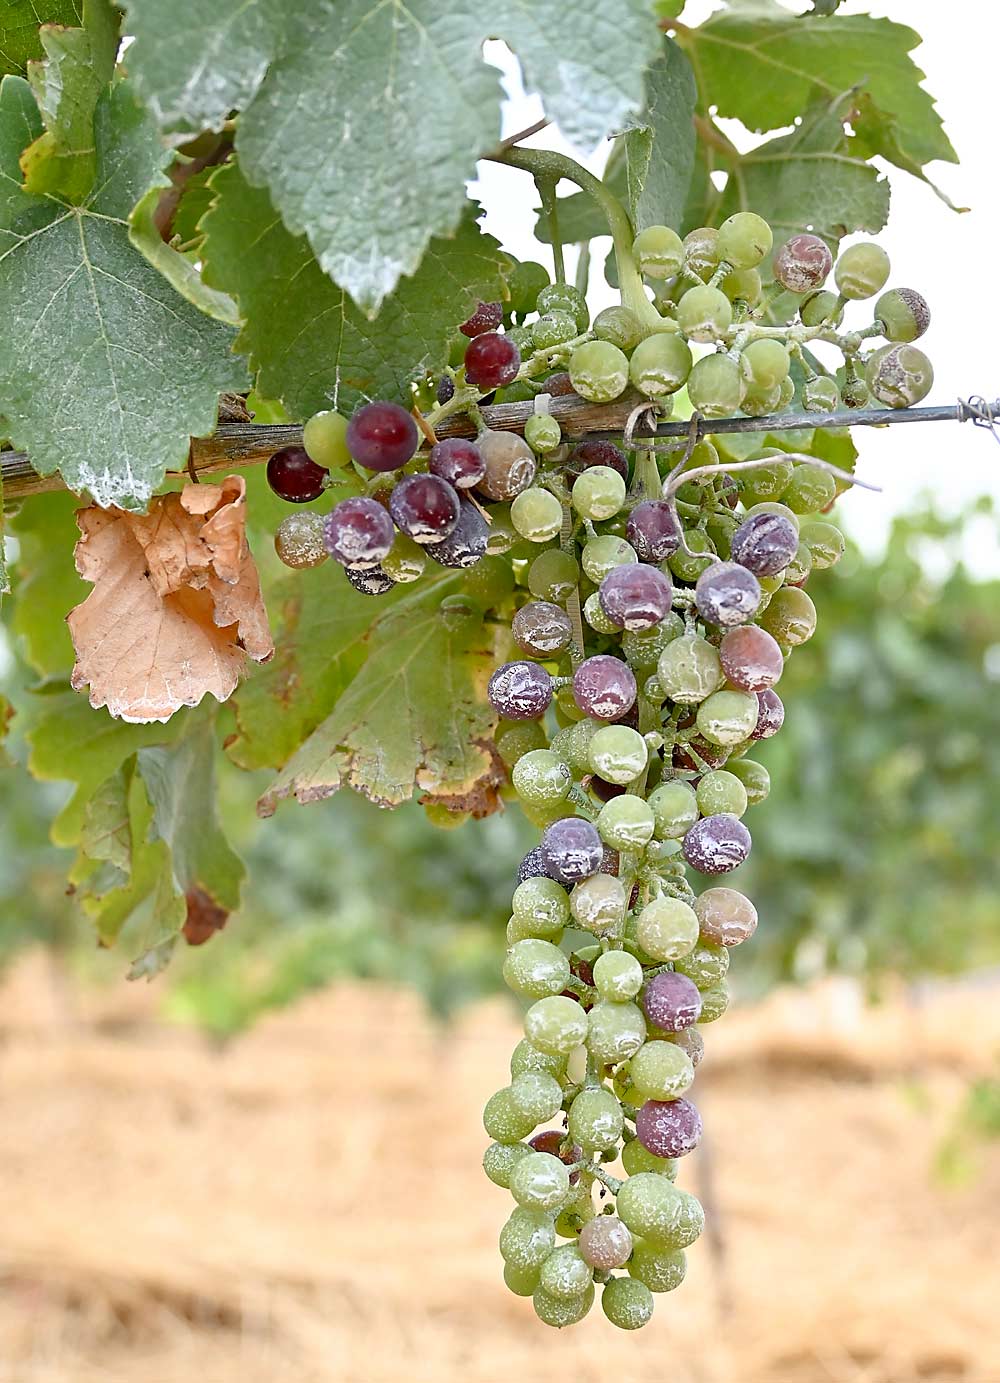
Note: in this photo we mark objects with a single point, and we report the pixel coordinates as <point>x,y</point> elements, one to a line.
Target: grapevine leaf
<point>415,716</point>
<point>179,271</point>
<point>4,578</point>
<point>760,63</point>
<point>660,144</point>
<point>312,347</point>
<point>48,584</point>
<point>105,372</point>
<point>330,127</point>
<point>20,20</point>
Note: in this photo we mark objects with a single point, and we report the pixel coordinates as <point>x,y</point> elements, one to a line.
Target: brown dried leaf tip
<point>205,917</point>
<point>176,607</point>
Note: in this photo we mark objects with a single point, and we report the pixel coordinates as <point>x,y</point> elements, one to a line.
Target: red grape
<point>358,532</point>
<point>765,544</point>
<point>803,263</point>
<point>716,844</point>
<point>374,581</point>
<point>671,1001</point>
<point>491,361</point>
<point>458,461</point>
<point>726,594</point>
<point>466,542</point>
<point>668,1128</point>
<point>487,317</point>
<point>751,658</point>
<point>382,436</point>
<point>596,453</point>
<point>571,849</point>
<point>635,596</point>
<point>294,476</point>
<point>425,507</point>
<point>604,687</point>
<point>770,716</point>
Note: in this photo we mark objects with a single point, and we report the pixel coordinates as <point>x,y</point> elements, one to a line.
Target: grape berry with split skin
<point>653,598</point>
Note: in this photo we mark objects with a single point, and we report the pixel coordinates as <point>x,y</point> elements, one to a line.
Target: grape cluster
<point>651,612</point>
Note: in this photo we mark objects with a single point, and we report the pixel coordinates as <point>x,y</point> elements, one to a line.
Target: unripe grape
<point>820,307</point>
<point>542,433</point>
<point>523,1282</point>
<point>542,901</point>
<point>666,928</point>
<point>539,1182</point>
<point>627,1303</point>
<point>595,1120</point>
<point>720,791</point>
<point>598,904</point>
<point>500,1159</point>
<point>626,822</point>
<point>617,976</point>
<point>661,1071</point>
<point>765,363</point>
<point>903,313</point>
<point>527,1057</point>
<point>618,753</point>
<point>661,363</point>
<point>599,371</point>
<point>642,647</point>
<point>617,1031</point>
<point>620,326</point>
<point>405,561</point>
<point>593,613</point>
<point>706,964</point>
<point>561,1311</point>
<point>510,464</point>
<point>659,1269</point>
<point>714,1002</point>
<point>825,541</point>
<point>762,405</point>
<point>798,569</point>
<point>820,395</point>
<point>298,541</point>
<point>659,252</point>
<point>743,285</point>
<point>602,554</point>
<point>528,1237</point>
<point>703,314</point>
<point>899,376</point>
<point>766,482</point>
<point>517,739</point>
<point>649,1204</point>
<point>324,437</point>
<point>701,251</point>
<point>716,386</point>
<point>503,1121</point>
<point>690,1041</point>
<point>745,239</point>
<point>552,329</point>
<point>810,489</point>
<point>754,777</point>
<point>565,1274</point>
<point>862,271</point>
<point>553,575</point>
<point>725,717</point>
<point>689,669</point>
<point>688,566</point>
<point>536,514</point>
<point>536,969</point>
<point>790,617</point>
<point>565,298</point>
<point>598,493</point>
<point>803,263</point>
<point>555,1025</point>
<point>675,809</point>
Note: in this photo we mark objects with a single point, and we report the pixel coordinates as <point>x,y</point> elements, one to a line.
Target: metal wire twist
<point>981,412</point>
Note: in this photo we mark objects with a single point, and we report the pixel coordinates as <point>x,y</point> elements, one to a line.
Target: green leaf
<point>764,65</point>
<point>105,371</point>
<point>48,583</point>
<point>4,578</point>
<point>312,347</point>
<point>660,145</point>
<point>365,93</point>
<point>415,716</point>
<point>20,40</point>
<point>179,271</point>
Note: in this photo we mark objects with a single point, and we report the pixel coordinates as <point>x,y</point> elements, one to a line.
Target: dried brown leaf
<point>176,607</point>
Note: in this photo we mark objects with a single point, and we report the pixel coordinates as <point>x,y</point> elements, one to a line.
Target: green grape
<point>825,541</point>
<point>542,434</point>
<point>689,669</point>
<point>820,395</point>
<point>553,575</point>
<point>762,405</point>
<point>659,252</point>
<point>714,1002</point>
<point>527,1057</point>
<point>745,240</point>
<point>536,968</point>
<point>501,535</point>
<point>617,1031</point>
<point>675,809</point>
<point>765,363</point>
<point>598,493</point>
<point>706,964</point>
<point>720,527</point>
<point>565,298</point>
<point>899,376</point>
<point>691,1223</point>
<point>525,282</point>
<point>799,567</point>
<point>542,814</point>
<point>774,507</point>
<point>524,340</point>
<point>642,647</point>
<point>647,1204</point>
<point>518,739</point>
<point>405,561</point>
<point>567,711</point>
<point>754,777</point>
<point>324,438</point>
<point>503,1121</point>
<point>620,326</point>
<point>298,540</point>
<point>564,1273</point>
<point>726,717</point>
<point>536,1095</point>
<point>593,613</point>
<point>522,928</point>
<point>790,617</point>
<point>528,1237</point>
<point>701,251</point>
<point>661,1270</point>
<point>904,315</point>
<point>536,514</point>
<point>819,307</point>
<point>720,791</point>
<point>598,903</point>
<point>539,1182</point>
<point>521,1281</point>
<point>540,777</point>
<point>617,753</point>
<point>553,328</point>
<point>555,1025</point>
<point>787,392</point>
<point>627,1303</point>
<point>542,901</point>
<point>626,822</point>
<point>703,314</point>
<point>743,285</point>
<point>562,1311</point>
<point>666,928</point>
<point>598,371</point>
<point>500,1159</point>
<point>636,1158</point>
<point>617,976</point>
<point>810,489</point>
<point>595,1119</point>
<point>689,568</point>
<point>861,271</point>
<point>660,364</point>
<point>577,1211</point>
<point>767,482</point>
<point>715,386</point>
<point>490,582</point>
<point>601,555</point>
<point>579,746</point>
<point>661,1071</point>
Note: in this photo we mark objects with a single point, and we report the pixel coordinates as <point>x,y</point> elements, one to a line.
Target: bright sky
<point>953,260</point>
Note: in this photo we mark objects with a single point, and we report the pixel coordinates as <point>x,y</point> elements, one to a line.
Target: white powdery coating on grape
<point>604,687</point>
<point>669,1128</point>
<point>358,533</point>
<point>299,541</point>
<point>717,844</point>
<point>765,543</point>
<point>636,597</point>
<point>541,627</point>
<point>520,691</point>
<point>727,594</point>
<point>803,263</point>
<point>605,1242</point>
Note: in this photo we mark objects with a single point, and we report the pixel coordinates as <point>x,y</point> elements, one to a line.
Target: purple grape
<point>671,1002</point>
<point>520,691</point>
<point>765,544</point>
<point>382,436</point>
<point>636,596</point>
<point>668,1128</point>
<point>294,476</point>
<point>610,859</point>
<point>571,848</point>
<point>358,532</point>
<point>751,658</point>
<point>445,389</point>
<point>458,461</point>
<point>604,687</point>
<point>466,542</point>
<point>716,844</point>
<point>487,317</point>
<point>803,263</point>
<point>559,385</point>
<point>653,530</point>
<point>491,361</point>
<point>770,716</point>
<point>541,629</point>
<point>425,507</point>
<point>595,453</point>
<point>533,867</point>
<point>726,594</point>
<point>691,1041</point>
<point>604,791</point>
<point>372,581</point>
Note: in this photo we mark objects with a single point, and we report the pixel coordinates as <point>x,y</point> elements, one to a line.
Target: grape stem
<point>700,472</point>
<point>547,192</point>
